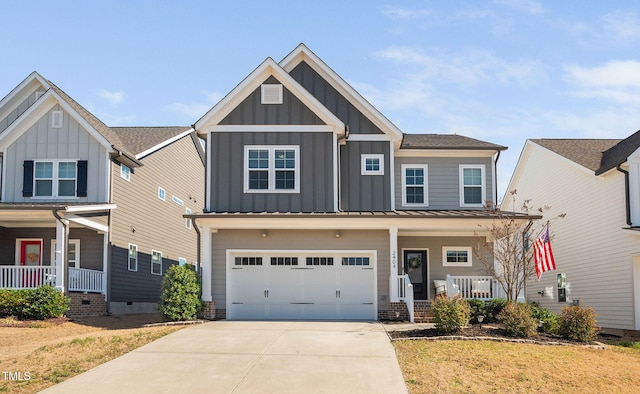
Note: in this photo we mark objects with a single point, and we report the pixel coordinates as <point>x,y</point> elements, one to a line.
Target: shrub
<point>578,323</point>
<point>33,304</point>
<point>548,321</point>
<point>477,308</point>
<point>180,297</point>
<point>493,308</point>
<point>518,320</point>
<point>450,314</point>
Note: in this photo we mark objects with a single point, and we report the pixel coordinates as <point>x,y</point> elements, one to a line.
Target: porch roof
<point>439,214</point>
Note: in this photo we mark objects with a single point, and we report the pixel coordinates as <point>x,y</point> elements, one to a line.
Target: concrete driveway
<point>253,357</point>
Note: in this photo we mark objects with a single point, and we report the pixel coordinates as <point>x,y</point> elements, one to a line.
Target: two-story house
<point>596,183</point>
<point>318,207</point>
<point>96,211</point>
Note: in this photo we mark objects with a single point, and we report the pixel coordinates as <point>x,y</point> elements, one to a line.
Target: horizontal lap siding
<point>227,173</point>
<point>298,240</point>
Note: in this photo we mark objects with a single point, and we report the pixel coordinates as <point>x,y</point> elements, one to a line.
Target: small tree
<point>180,298</point>
<point>510,234</point>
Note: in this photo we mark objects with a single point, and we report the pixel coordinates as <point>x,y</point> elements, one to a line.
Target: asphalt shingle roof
<point>619,153</point>
<point>586,152</point>
<point>446,141</point>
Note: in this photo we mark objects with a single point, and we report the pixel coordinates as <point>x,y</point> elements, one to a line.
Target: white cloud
<point>528,6</point>
<point>622,26</point>
<point>615,81</point>
<point>195,111</point>
<point>113,97</point>
<point>403,13</point>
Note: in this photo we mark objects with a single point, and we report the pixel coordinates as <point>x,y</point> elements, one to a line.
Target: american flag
<point>542,254</point>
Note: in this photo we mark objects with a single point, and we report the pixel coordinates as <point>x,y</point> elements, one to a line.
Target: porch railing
<point>405,288</point>
<point>24,277</point>
<point>81,279</point>
<point>480,287</point>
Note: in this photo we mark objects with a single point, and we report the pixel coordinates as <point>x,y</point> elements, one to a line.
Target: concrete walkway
<point>253,357</point>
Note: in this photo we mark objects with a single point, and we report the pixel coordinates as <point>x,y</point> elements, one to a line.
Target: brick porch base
<point>83,305</point>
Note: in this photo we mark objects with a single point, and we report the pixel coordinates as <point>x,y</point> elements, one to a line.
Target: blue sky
<point>501,71</point>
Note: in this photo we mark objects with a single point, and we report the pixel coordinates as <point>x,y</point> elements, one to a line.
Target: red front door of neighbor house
<point>31,253</point>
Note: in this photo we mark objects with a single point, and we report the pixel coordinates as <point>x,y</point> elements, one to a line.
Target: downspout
<point>65,269</point>
<point>495,180</point>
<point>340,139</point>
<point>626,194</point>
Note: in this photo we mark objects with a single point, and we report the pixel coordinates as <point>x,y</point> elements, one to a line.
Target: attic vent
<point>271,94</point>
<point>56,119</point>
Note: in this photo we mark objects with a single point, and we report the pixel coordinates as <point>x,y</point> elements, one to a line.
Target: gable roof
<point>586,152</point>
<point>446,141</point>
<point>139,140</point>
<point>619,153</point>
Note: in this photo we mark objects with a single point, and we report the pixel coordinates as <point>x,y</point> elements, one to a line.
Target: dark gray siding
<point>334,101</point>
<point>227,173</point>
<point>364,192</point>
<point>443,179</point>
<point>291,111</point>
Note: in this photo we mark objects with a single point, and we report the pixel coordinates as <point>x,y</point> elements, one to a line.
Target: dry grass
<point>492,367</point>
<point>55,351</point>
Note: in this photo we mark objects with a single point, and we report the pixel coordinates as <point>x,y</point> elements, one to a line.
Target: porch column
<point>61,253</point>
<point>105,265</point>
<point>393,268</point>
<point>205,257</point>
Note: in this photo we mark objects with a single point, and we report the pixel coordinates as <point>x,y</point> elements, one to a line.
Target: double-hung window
<point>133,257</point>
<point>55,178</point>
<point>472,185</point>
<point>272,169</point>
<point>414,185</point>
<point>156,262</point>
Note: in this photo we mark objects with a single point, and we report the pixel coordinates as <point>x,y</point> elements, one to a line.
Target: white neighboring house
<point>596,182</point>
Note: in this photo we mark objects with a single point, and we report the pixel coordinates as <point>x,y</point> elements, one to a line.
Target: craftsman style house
<point>596,183</point>
<point>318,207</point>
<point>96,211</point>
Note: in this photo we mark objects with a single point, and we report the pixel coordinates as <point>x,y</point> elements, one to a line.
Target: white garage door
<point>311,285</point>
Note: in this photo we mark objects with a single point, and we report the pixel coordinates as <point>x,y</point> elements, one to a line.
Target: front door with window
<point>30,252</point>
<point>415,265</point>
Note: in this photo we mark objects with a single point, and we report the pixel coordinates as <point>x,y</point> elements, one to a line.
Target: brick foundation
<point>83,305</point>
<point>209,311</point>
<point>397,312</point>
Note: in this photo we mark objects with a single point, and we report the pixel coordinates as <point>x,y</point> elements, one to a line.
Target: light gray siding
<point>334,101</point>
<point>227,173</point>
<point>19,110</point>
<point>291,112</point>
<point>41,141</point>
<point>298,240</point>
<point>443,179</point>
<point>364,192</point>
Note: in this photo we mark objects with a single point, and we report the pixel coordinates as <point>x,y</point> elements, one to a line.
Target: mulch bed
<point>488,332</point>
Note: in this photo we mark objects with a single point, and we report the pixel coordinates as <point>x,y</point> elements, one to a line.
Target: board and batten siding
<point>143,219</point>
<point>364,192</point>
<point>333,100</point>
<point>19,110</point>
<point>283,240</point>
<point>227,173</point>
<point>590,245</point>
<point>443,179</point>
<point>41,141</point>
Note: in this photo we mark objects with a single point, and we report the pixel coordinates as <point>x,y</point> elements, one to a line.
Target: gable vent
<point>56,119</point>
<point>271,94</point>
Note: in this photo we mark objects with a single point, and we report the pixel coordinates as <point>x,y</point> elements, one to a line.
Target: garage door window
<point>248,260</point>
<point>319,260</point>
<point>284,261</point>
<point>355,261</point>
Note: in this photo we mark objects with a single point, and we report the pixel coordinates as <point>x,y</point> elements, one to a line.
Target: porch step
<point>422,312</point>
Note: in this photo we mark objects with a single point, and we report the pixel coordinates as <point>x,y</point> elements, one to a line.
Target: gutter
<point>626,194</point>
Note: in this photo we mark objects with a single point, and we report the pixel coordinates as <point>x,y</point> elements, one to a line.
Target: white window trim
<point>182,261</point>
<point>76,242</point>
<point>264,93</point>
<point>467,249</point>
<point>55,179</point>
<point>162,193</point>
<point>483,186</point>
<point>129,258</point>
<point>363,166</point>
<point>57,119</point>
<point>187,221</point>
<point>160,261</point>
<point>425,185</point>
<point>177,201</point>
<point>272,168</point>
<point>126,175</point>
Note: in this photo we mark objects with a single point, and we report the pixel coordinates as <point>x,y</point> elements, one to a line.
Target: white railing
<point>479,287</point>
<point>81,279</point>
<point>25,277</point>
<point>405,293</point>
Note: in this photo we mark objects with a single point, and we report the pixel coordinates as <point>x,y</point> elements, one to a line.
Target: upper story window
<point>458,256</point>
<point>161,193</point>
<point>414,185</point>
<point>55,178</point>
<point>187,221</point>
<point>272,169</point>
<point>372,164</point>
<point>472,186</point>
<point>125,172</point>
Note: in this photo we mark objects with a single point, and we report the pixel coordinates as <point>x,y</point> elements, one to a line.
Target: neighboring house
<point>106,202</point>
<point>317,205</point>
<point>596,183</point>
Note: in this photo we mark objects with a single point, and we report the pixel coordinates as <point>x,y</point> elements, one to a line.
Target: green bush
<point>477,308</point>
<point>450,314</point>
<point>493,308</point>
<point>518,320</point>
<point>33,304</point>
<point>578,323</point>
<point>549,322</point>
<point>180,298</point>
